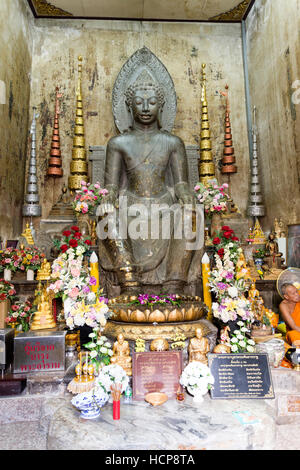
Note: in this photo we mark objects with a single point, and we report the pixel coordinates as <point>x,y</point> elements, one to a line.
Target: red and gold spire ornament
<point>228,160</point>
<point>55,162</point>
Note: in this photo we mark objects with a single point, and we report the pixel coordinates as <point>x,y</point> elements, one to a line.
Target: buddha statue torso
<point>151,165</point>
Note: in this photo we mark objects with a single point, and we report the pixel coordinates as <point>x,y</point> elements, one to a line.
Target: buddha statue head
<point>145,100</point>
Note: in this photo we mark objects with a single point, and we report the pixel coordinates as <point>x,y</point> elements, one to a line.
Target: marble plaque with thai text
<point>241,376</point>
<point>156,372</point>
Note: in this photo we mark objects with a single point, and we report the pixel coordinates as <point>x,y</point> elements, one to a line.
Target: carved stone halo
<point>143,59</point>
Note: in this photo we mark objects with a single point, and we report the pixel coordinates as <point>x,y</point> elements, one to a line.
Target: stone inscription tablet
<point>242,376</point>
<point>156,372</point>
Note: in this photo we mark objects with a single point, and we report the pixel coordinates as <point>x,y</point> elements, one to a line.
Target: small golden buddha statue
<point>44,273</point>
<point>199,347</point>
<point>258,234</point>
<point>273,258</point>
<point>121,354</point>
<point>242,270</point>
<point>37,294</point>
<point>253,292</point>
<point>28,235</point>
<point>43,318</point>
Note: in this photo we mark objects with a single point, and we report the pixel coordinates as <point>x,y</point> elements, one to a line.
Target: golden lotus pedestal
<point>135,321</point>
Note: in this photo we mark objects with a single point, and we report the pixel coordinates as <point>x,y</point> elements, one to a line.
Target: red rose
<point>235,239</point>
<point>88,242</point>
<point>77,235</point>
<point>75,228</point>
<point>73,243</point>
<point>225,228</point>
<point>66,233</point>
<point>2,296</point>
<point>64,248</point>
<point>216,241</point>
<point>227,235</point>
<point>221,252</point>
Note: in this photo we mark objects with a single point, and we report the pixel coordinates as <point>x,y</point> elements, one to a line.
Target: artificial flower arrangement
<point>226,239</point>
<point>111,375</point>
<point>155,300</point>
<point>229,309</point>
<point>197,379</point>
<point>213,197</point>
<point>11,259</point>
<point>88,197</point>
<point>239,342</point>
<point>227,280</point>
<point>73,239</point>
<point>100,349</point>
<point>32,258</point>
<point>82,313</point>
<point>21,259</point>
<point>20,314</point>
<point>7,291</point>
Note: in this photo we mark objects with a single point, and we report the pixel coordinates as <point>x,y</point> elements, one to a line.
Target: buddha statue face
<point>145,99</point>
<point>145,106</point>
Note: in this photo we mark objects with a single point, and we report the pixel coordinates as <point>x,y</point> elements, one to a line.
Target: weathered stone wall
<point>15,66</point>
<point>274,66</point>
<point>105,47</point>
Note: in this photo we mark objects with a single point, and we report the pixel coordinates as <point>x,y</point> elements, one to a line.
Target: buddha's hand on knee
<point>184,195</point>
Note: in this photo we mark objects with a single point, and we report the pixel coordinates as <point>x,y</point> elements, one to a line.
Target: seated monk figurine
<point>199,347</point>
<point>290,312</point>
<point>121,354</point>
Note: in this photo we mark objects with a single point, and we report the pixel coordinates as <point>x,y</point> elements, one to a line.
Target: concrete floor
<point>47,421</point>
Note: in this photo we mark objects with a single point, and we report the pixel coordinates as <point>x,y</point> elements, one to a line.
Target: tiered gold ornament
<point>206,165</point>
<point>79,166</point>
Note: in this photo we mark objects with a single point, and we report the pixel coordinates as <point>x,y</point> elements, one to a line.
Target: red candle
<point>116,409</point>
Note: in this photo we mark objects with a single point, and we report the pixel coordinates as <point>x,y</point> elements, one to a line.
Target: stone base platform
<point>42,418</point>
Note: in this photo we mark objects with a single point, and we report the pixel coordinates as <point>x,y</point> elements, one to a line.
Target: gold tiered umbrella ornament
<point>79,166</point>
<point>206,164</point>
<point>55,162</point>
